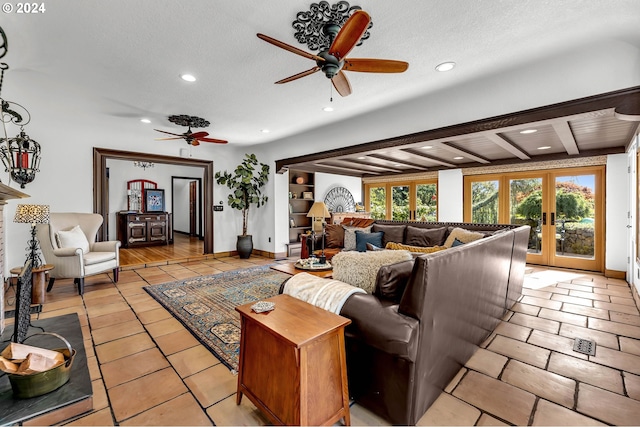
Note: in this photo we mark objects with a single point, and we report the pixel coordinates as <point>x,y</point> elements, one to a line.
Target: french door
<point>564,208</point>
<point>403,201</point>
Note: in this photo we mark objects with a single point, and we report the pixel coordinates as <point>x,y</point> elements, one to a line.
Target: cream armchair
<point>69,243</point>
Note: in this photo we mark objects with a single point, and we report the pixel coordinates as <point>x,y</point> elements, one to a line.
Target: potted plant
<point>245,183</point>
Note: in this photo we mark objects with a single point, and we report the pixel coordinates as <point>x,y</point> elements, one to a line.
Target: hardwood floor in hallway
<point>184,248</point>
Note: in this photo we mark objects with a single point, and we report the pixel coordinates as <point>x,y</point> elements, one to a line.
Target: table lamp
<point>318,210</point>
<point>32,214</point>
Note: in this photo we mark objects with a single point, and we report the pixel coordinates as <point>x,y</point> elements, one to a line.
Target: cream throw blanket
<point>328,294</point>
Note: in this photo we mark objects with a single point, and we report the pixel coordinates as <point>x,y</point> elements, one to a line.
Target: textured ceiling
<point>114,62</point>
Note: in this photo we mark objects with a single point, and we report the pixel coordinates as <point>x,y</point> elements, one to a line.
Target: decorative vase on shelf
<point>299,180</point>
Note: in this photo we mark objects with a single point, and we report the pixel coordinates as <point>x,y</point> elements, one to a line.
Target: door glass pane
<point>525,207</point>
<point>400,202</point>
<point>378,202</point>
<point>484,202</point>
<point>575,216</point>
<point>426,202</point>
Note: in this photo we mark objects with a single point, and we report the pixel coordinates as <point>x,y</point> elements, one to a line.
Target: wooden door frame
<point>101,190</point>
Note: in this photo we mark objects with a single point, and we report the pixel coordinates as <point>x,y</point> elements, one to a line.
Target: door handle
<point>544,218</point>
<point>553,218</point>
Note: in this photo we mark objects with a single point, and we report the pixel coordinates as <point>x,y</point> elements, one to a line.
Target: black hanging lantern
<point>21,158</point>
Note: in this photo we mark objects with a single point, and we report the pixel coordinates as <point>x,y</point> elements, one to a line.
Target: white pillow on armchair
<point>73,238</point>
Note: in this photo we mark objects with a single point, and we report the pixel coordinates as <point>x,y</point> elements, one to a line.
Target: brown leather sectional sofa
<point>427,316</point>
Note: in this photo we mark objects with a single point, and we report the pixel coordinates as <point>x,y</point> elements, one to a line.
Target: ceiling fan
<point>333,61</point>
<point>189,136</point>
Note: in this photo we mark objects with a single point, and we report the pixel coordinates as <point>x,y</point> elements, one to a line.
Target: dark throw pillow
<point>456,242</point>
<point>334,235</point>
<point>392,279</point>
<point>417,236</point>
<point>363,238</point>
<point>392,233</point>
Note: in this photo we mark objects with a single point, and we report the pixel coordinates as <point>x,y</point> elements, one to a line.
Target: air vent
<point>584,346</point>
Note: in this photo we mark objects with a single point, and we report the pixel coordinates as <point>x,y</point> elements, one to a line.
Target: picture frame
<point>307,195</point>
<point>154,200</point>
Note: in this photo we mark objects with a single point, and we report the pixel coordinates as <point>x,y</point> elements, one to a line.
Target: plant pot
<point>244,246</point>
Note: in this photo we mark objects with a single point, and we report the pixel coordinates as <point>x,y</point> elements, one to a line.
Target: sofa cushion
<point>363,238</point>
<point>392,279</point>
<point>73,238</point>
<point>357,222</point>
<point>392,233</point>
<point>334,236</point>
<point>417,236</point>
<point>415,249</point>
<point>350,236</point>
<point>464,236</point>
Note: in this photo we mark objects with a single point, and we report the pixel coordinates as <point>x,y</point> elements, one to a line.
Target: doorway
<point>186,205</point>
<point>101,189</point>
<point>564,207</point>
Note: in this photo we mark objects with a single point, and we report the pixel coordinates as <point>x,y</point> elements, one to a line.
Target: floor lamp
<point>318,210</point>
<point>32,214</point>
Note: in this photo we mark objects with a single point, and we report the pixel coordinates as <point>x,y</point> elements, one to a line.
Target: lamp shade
<point>319,210</point>
<point>32,214</point>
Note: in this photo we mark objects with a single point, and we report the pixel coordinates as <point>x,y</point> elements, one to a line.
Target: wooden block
<point>21,351</point>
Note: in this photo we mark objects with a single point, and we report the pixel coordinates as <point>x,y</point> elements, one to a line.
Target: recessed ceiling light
<point>265,130</point>
<point>544,147</point>
<point>145,121</point>
<point>327,109</point>
<point>361,158</point>
<point>458,158</point>
<point>445,66</point>
<point>427,147</point>
<point>527,131</point>
<point>188,77</point>
<point>398,166</point>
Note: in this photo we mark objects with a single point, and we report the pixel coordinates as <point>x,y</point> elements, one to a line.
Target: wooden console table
<point>292,363</point>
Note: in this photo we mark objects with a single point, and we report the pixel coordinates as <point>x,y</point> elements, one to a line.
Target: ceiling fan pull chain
<point>330,91</point>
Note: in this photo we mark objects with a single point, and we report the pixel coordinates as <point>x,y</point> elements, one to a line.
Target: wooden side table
<point>290,268</point>
<point>40,279</point>
<point>292,363</point>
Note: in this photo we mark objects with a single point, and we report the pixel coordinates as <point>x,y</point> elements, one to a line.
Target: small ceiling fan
<point>191,138</point>
<point>333,61</point>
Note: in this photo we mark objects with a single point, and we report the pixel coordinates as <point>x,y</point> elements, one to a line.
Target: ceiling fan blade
<point>367,65</point>
<point>199,135</point>
<point>289,47</point>
<point>350,34</point>
<point>170,133</point>
<point>217,141</point>
<point>299,75</point>
<point>341,83</point>
<point>167,139</point>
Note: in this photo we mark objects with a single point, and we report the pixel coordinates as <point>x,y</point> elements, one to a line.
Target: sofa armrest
<point>66,252</point>
<point>377,323</point>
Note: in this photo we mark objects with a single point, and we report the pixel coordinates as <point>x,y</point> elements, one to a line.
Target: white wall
<point>326,182</point>
<point>617,190</point>
<point>450,199</point>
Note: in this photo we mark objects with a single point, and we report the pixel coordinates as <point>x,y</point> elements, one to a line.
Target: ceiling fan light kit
<point>342,28</point>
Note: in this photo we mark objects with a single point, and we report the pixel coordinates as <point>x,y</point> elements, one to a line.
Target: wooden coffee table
<point>290,268</point>
<point>292,363</point>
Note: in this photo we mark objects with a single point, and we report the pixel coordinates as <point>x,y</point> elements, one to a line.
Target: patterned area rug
<point>206,305</point>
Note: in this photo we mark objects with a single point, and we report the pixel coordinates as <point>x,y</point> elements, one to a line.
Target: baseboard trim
<point>257,252</point>
<point>634,293</point>
<point>615,274</point>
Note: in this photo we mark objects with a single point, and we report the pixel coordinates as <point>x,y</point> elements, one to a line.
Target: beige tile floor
<point>147,369</point>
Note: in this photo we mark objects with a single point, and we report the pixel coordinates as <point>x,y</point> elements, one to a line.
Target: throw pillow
<point>392,233</point>
<point>456,242</point>
<point>392,279</point>
<point>350,236</point>
<point>417,236</point>
<point>73,238</point>
<point>465,236</point>
<point>334,234</point>
<point>363,238</point>
<point>420,249</point>
<point>371,247</point>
